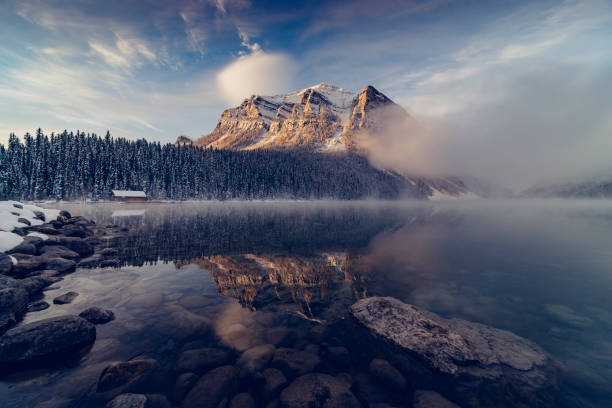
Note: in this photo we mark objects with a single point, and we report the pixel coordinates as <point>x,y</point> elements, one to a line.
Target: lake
<point>236,275</point>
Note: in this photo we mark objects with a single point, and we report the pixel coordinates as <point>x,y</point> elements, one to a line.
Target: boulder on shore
<point>44,338</point>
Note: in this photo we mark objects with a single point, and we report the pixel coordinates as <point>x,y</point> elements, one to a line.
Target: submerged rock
<point>60,264</point>
<point>210,390</point>
<point>128,401</point>
<point>97,315</point>
<point>183,384</point>
<point>294,362</point>
<point>431,399</point>
<point>242,400</point>
<point>125,373</point>
<point>383,371</point>
<point>318,390</point>
<point>65,298</point>
<point>201,360</point>
<point>274,381</point>
<point>38,306</point>
<point>470,352</point>
<point>44,338</point>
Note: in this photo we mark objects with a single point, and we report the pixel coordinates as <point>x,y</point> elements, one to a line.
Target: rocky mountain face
<point>319,118</point>
<point>322,118</point>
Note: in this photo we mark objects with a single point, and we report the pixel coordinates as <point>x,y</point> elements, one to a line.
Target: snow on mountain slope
<point>319,118</point>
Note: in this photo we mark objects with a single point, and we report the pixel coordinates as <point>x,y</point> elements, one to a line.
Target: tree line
<point>77,166</point>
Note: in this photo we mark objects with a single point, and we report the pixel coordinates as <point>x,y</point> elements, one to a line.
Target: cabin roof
<point>129,193</point>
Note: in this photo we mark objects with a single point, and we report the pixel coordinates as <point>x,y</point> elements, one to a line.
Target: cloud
<point>258,72</point>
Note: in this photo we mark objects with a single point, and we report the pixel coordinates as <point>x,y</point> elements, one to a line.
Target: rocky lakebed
<point>372,352</point>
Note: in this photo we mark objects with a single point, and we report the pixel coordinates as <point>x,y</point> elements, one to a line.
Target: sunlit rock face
<point>308,283</point>
<point>319,118</point>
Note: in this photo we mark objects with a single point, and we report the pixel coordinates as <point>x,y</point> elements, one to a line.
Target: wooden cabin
<point>129,196</point>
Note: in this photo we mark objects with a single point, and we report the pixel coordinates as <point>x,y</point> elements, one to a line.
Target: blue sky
<point>158,68</point>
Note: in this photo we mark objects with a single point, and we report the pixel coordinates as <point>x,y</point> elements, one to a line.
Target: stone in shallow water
<point>38,306</point>
<point>97,315</point>
<point>294,362</point>
<point>65,298</point>
<point>242,400</point>
<point>45,338</point>
<point>128,401</point>
<point>274,381</point>
<point>458,348</point>
<point>210,390</point>
<point>383,371</point>
<point>125,373</point>
<point>431,399</point>
<point>183,384</point>
<point>201,360</point>
<point>256,358</point>
<point>318,390</point>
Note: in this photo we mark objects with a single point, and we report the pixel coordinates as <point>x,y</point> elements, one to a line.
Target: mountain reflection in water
<point>282,269</point>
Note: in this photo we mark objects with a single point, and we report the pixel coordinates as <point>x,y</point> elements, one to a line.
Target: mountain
<point>324,119</point>
<point>595,188</point>
<point>321,118</point>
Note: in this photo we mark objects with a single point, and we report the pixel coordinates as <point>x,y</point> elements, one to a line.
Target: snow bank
<point>9,240</point>
<point>10,213</point>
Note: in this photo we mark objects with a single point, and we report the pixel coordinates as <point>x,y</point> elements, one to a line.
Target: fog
<point>514,128</point>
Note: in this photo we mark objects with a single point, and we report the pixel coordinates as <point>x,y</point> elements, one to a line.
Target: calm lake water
<point>263,271</point>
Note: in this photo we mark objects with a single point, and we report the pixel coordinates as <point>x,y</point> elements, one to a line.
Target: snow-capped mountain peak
<point>322,117</point>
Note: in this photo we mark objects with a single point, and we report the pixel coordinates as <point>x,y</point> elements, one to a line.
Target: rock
<point>64,213</point>
<point>60,264</point>
<point>75,231</point>
<point>97,315</point>
<point>431,399</point>
<point>17,205</point>
<point>256,358</point>
<point>7,320</point>
<point>242,400</point>
<point>90,261</point>
<point>39,215</point>
<point>157,401</point>
<point>35,284</point>
<point>6,264</point>
<point>44,338</point>
<point>13,296</point>
<point>78,245</point>
<point>65,298</point>
<point>27,263</point>
<point>57,224</point>
<point>458,348</point>
<point>294,362</point>
<point>383,371</point>
<point>183,384</point>
<point>109,263</point>
<point>128,401</point>
<point>339,355</point>
<point>212,388</point>
<point>55,251</point>
<point>274,381</point>
<point>46,229</point>
<point>201,360</point>
<point>38,306</point>
<point>125,373</point>
<point>25,247</point>
<point>318,390</point>
<point>24,221</point>
<point>109,252</point>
